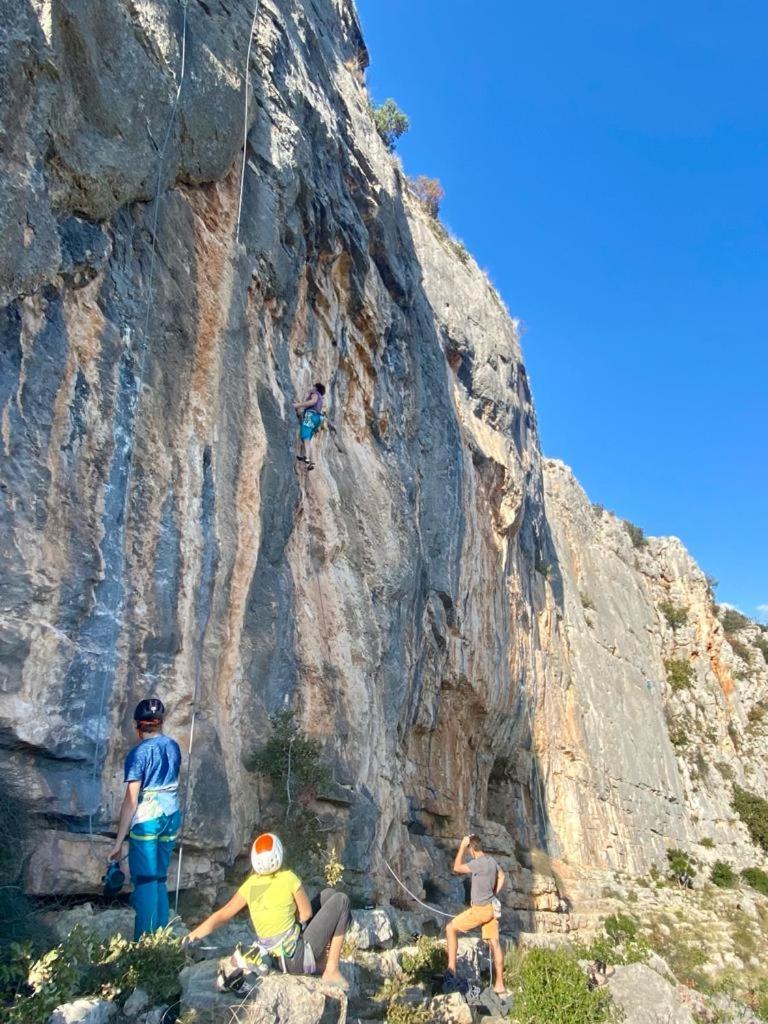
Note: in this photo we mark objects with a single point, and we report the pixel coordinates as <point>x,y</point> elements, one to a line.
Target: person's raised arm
<point>303,906</point>
<point>218,918</point>
<point>127,811</point>
<point>458,863</point>
<point>500,880</point>
<point>298,406</point>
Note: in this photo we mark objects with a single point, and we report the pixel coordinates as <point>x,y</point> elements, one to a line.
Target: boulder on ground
<point>276,999</point>
<point>646,997</point>
<point>136,1003</point>
<point>117,920</point>
<point>83,1011</point>
<point>450,1009</point>
<point>370,929</point>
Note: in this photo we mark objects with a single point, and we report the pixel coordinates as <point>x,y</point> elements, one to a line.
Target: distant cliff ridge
<point>471,641</point>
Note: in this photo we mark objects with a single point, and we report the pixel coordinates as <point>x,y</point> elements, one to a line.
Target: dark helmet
<point>151,709</point>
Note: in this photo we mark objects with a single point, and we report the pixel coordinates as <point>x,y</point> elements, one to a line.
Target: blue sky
<point>608,165</point>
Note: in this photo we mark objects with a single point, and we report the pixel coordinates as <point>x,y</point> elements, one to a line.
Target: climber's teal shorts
<point>310,424</point>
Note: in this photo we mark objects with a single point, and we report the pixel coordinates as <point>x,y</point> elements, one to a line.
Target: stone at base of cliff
<point>451,1009</point>
<point>277,999</point>
<point>646,998</point>
<point>83,1011</point>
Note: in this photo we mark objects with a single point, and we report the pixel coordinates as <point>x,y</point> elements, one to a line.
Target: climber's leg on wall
<point>310,423</point>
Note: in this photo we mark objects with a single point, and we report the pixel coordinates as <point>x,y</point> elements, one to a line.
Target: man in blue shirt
<point>150,815</point>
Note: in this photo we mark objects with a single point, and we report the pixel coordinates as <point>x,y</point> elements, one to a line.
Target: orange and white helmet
<point>266,854</point>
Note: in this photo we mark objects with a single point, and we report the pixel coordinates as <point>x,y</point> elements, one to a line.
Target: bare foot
<point>335,978</point>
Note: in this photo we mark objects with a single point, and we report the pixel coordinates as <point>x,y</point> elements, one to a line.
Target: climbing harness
<point>245,119</point>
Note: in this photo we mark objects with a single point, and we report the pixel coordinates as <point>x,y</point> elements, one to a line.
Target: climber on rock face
<point>312,418</point>
<point>303,936</point>
<point>487,880</point>
<point>150,815</point>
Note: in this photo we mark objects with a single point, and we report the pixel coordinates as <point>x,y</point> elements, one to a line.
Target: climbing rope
<point>405,888</point>
<point>145,346</point>
<point>245,119</point>
<point>187,788</point>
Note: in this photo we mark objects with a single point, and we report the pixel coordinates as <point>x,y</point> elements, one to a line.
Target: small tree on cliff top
<point>429,192</point>
<point>390,122</point>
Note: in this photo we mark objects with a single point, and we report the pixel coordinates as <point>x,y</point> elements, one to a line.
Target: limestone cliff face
<point>157,534</point>
<point>636,764</point>
<point>407,598</point>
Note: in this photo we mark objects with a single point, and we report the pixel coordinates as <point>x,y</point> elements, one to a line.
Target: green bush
<point>753,811</point>
<point>739,648</point>
<point>619,943</point>
<point>586,600</point>
<point>682,867</point>
<point>429,958</point>
<point>405,1013</point>
<point>733,621</point>
<point>757,713</point>
<point>708,842</point>
<point>293,764</point>
<point>636,534</point>
<point>390,122</point>
<point>757,879</point>
<point>679,673</point>
<point>679,737</point>
<point>723,875</point>
<point>675,616</point>
<point>84,966</point>
<point>550,987</point>
<point>762,645</point>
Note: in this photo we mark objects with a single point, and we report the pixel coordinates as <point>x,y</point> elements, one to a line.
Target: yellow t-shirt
<point>270,901</point>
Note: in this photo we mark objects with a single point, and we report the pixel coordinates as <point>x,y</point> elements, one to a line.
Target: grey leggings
<point>330,917</point>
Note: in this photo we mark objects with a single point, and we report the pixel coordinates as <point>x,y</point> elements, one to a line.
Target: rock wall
<point>637,764</point>
<point>415,598</point>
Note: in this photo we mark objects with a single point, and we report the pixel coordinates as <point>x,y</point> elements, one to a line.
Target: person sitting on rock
<point>487,880</point>
<point>312,407</point>
<point>150,815</point>
<point>304,937</point>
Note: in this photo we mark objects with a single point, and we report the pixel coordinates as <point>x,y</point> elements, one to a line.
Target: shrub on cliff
<point>757,878</point>
<point>762,645</point>
<point>753,811</point>
<point>636,534</point>
<point>390,122</point>
<point>723,876</point>
<point>293,763</point>
<point>733,620</point>
<point>679,673</point>
<point>682,867</point>
<point>675,616</point>
<point>429,192</point>
<point>619,943</point>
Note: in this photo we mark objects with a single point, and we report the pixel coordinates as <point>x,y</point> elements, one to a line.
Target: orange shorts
<point>476,916</point>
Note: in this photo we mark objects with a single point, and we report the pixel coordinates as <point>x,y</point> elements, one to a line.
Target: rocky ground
<point>704,964</point>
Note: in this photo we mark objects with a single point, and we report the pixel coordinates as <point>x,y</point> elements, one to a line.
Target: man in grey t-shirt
<point>487,880</point>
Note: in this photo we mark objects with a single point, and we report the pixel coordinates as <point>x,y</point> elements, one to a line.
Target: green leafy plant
<point>739,648</point>
<point>333,869</point>
<point>407,1013</point>
<point>429,958</point>
<point>753,811</point>
<point>762,645</point>
<point>676,617</point>
<point>679,736</point>
<point>723,876</point>
<point>551,988</point>
<point>293,764</point>
<point>429,192</point>
<point>708,842</point>
<point>733,620</point>
<point>620,942</point>
<point>757,879</point>
<point>682,867</point>
<point>679,673</point>
<point>636,534</point>
<point>586,600</point>
<point>391,123</point>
